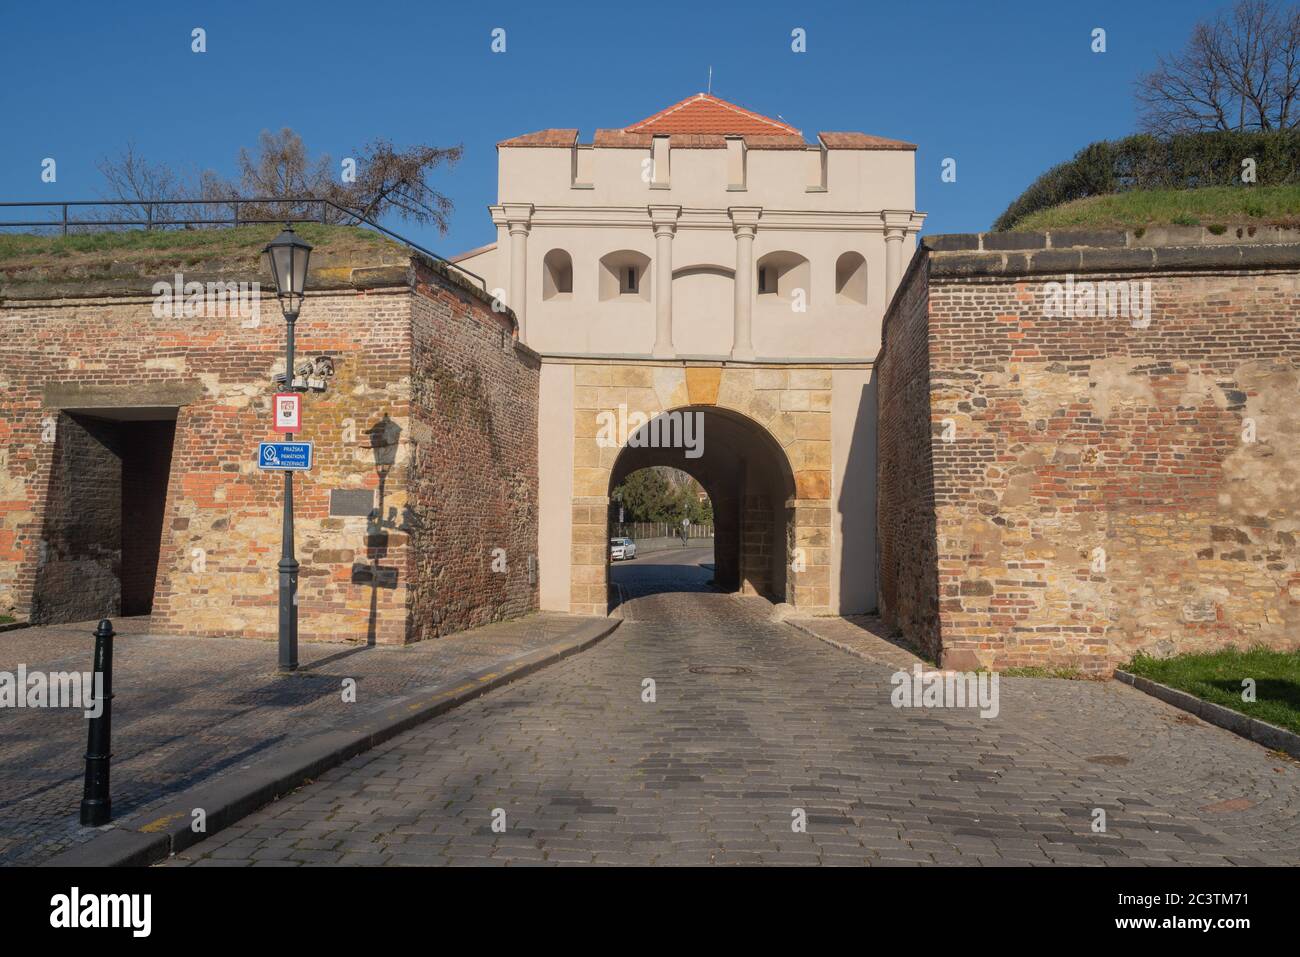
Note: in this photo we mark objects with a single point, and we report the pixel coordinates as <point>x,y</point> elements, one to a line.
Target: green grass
<point>1217,677</point>
<point>7,619</point>
<point>200,243</point>
<point>1214,206</point>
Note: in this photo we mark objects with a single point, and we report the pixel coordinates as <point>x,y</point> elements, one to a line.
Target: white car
<point>621,548</point>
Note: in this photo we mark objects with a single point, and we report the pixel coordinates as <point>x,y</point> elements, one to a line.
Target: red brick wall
<point>1100,496</point>
<point>221,531</point>
<point>473,485</point>
<point>904,474</point>
<point>220,539</point>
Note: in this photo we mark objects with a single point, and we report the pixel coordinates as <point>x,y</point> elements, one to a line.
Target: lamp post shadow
<point>384,437</point>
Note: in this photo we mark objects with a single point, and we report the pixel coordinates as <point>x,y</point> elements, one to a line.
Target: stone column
<point>897,224</point>
<point>664,221</point>
<point>744,220</point>
<point>519,220</point>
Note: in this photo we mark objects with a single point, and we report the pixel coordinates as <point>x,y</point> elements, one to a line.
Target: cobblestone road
<point>187,709</point>
<point>586,772</point>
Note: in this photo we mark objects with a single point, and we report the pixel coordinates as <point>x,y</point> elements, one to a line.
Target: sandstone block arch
<point>789,406</point>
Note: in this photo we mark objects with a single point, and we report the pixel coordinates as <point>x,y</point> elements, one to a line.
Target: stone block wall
<point>81,535</point>
<point>908,581</point>
<point>357,538</point>
<point>473,446</point>
<point>1108,484</point>
<point>758,546</point>
<point>221,529</point>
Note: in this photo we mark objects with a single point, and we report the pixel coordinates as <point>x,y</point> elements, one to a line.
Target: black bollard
<point>96,808</point>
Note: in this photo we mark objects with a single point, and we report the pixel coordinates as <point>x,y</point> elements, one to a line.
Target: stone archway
<point>770,469</point>
<point>748,479</point>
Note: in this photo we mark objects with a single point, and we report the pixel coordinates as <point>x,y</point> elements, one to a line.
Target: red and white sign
<point>288,412</point>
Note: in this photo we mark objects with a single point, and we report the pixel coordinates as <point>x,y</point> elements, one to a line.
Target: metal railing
<point>301,209</point>
<point>639,530</point>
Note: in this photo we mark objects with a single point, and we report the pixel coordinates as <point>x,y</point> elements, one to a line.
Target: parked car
<point>621,548</point>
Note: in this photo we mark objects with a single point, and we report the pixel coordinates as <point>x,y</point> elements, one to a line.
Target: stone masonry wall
<point>905,479</point>
<point>356,541</point>
<point>81,535</point>
<point>1113,484</point>
<point>473,491</point>
<point>221,529</point>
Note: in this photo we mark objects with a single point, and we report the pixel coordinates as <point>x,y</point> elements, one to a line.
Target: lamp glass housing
<point>289,256</point>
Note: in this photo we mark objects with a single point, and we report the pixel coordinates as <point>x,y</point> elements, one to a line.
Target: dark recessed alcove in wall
<point>146,461</point>
<point>104,514</point>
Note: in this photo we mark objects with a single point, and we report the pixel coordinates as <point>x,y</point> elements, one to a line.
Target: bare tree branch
<point>135,180</point>
<point>1240,71</point>
<point>388,181</point>
<point>396,181</point>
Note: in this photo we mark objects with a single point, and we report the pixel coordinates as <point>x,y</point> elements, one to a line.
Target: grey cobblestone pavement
<point>186,709</point>
<point>754,719</point>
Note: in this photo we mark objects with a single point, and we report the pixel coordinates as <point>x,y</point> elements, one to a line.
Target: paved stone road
<point>186,709</point>
<point>586,772</point>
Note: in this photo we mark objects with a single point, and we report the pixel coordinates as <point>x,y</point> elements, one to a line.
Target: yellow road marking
<point>162,822</point>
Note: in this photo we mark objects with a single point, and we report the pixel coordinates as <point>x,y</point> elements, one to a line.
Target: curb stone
<point>1261,732</point>
<point>842,646</point>
<point>230,797</point>
<point>799,624</point>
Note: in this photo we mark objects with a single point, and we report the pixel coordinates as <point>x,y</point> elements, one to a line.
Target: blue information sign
<point>284,456</point>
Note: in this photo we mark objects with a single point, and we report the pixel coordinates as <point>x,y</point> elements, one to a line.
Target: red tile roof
<point>697,141</point>
<point>622,139</point>
<point>703,122</point>
<point>704,113</point>
<point>618,139</point>
<point>543,138</point>
<point>780,141</point>
<point>862,141</point>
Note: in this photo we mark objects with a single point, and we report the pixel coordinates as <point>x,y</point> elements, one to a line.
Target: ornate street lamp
<point>288,256</point>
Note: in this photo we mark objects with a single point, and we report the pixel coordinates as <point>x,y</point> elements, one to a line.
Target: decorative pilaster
<point>519,220</point>
<point>744,221</point>
<point>898,223</point>
<point>664,221</point>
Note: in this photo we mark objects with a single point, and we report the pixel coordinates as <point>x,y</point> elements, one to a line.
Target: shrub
<point>1187,161</point>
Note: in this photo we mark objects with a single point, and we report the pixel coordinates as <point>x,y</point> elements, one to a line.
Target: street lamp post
<point>288,256</point>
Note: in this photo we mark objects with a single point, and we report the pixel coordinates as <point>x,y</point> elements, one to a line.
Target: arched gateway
<point>766,470</point>
<point>749,481</point>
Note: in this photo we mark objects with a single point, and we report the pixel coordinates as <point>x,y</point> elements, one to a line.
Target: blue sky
<point>1005,88</point>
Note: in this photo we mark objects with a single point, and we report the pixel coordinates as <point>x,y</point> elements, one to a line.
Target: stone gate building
<point>709,260</point>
